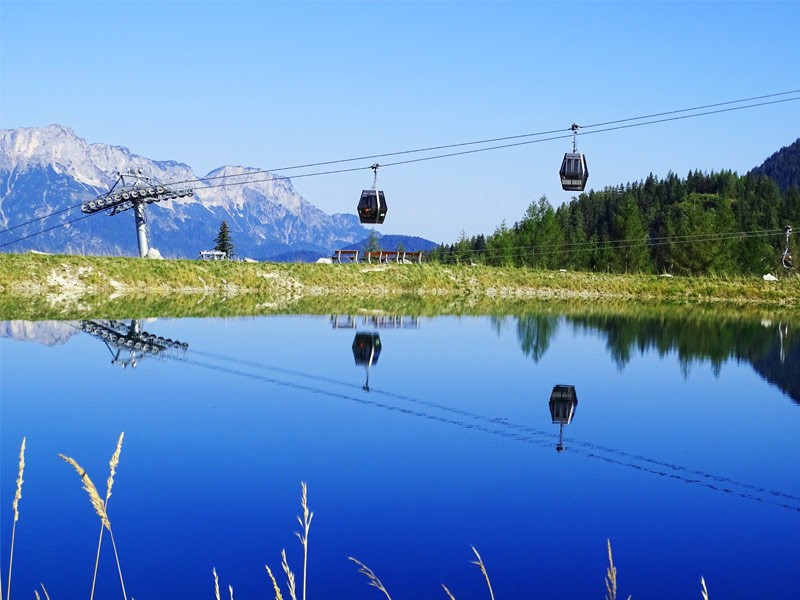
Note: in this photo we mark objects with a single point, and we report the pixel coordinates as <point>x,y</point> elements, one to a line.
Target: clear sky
<point>274,84</point>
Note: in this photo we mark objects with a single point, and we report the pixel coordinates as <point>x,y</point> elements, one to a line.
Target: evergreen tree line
<point>718,223</point>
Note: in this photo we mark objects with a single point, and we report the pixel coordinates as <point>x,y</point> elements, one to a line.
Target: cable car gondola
<point>574,172</point>
<point>366,350</point>
<point>372,205</point>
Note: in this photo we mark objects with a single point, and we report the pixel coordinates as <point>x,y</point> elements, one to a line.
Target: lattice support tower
<point>134,191</point>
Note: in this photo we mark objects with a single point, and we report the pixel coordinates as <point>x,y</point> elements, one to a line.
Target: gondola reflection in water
<point>366,350</point>
<point>563,401</point>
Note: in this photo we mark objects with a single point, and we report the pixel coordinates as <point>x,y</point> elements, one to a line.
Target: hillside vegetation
<point>705,224</point>
<point>783,167</point>
<point>48,286</point>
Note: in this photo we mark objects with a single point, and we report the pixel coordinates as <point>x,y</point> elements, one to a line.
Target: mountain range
<point>783,167</point>
<point>50,170</point>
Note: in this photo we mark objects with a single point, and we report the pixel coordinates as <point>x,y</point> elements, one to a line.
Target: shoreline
<point>41,286</point>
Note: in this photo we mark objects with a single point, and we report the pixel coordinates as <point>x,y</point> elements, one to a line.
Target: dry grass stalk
<point>230,589</point>
<point>46,595</point>
<point>611,576</point>
<point>705,589</point>
<point>482,567</point>
<point>373,579</point>
<point>18,493</point>
<point>278,595</point>
<point>97,502</point>
<point>446,591</point>
<point>36,593</point>
<point>109,484</point>
<point>113,467</point>
<point>289,575</point>
<point>100,509</point>
<point>119,568</point>
<point>305,523</point>
<point>15,506</point>
<point>216,583</point>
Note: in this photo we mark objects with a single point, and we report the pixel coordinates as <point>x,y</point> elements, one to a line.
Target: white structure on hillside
<point>213,255</point>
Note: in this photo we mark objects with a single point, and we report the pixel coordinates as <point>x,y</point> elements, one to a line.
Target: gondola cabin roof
<point>574,172</point>
<point>372,207</point>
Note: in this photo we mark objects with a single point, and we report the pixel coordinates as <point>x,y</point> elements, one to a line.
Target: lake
<point>533,438</point>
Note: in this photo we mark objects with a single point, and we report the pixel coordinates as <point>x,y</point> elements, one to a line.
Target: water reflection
<point>366,351</point>
<point>501,427</point>
<point>535,333</point>
<point>563,401</point>
<point>772,349</point>
<point>129,344</point>
<point>539,333</point>
<point>375,321</point>
<point>367,345</point>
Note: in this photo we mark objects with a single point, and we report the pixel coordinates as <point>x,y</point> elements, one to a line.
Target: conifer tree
<point>223,241</point>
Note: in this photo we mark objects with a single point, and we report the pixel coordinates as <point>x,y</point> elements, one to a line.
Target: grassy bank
<point>52,286</point>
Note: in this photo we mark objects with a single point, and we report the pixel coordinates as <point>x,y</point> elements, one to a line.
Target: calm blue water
<point>683,449</point>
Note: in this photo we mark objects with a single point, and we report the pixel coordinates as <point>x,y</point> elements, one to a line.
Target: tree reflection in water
<point>771,348</point>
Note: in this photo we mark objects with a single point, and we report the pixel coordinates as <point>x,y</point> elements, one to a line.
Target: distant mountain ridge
<point>783,167</point>
<point>49,169</point>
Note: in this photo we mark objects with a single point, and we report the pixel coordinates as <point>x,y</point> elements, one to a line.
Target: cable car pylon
<point>786,259</point>
<point>134,191</point>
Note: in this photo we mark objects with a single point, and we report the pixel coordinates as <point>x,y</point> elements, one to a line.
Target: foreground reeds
<point>44,591</point>
<point>371,577</point>
<point>15,508</point>
<point>482,567</point>
<point>113,463</point>
<point>305,523</point>
<point>100,507</point>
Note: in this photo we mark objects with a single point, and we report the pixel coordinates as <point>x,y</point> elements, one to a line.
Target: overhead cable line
<point>701,114</point>
<point>46,230</point>
<point>512,137</point>
<point>446,155</point>
<point>40,218</point>
<point>487,149</point>
<point>672,112</point>
<point>374,156</point>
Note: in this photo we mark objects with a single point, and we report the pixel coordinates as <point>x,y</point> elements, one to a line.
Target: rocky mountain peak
<point>50,169</point>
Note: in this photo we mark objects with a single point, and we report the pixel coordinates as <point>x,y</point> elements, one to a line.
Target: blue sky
<point>273,84</point>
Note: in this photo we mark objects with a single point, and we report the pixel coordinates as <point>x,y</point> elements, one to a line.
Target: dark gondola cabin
<point>366,348</point>
<point>563,401</point>
<point>574,172</point>
<point>372,207</point>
